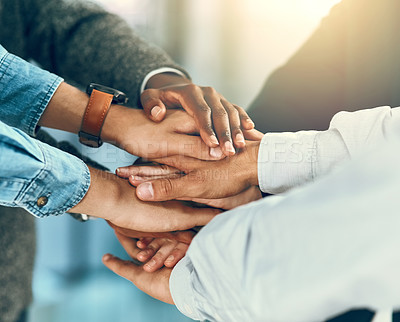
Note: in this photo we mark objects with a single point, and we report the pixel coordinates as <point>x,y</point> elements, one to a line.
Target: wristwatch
<point>101,98</point>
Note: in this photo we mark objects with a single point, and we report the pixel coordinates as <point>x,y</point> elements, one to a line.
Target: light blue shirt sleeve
<point>37,177</point>
<point>310,255</point>
<point>25,91</point>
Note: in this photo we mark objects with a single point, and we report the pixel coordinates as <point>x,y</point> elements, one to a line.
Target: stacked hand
<point>187,128</point>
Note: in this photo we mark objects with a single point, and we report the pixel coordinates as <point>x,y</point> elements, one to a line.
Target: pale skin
<point>113,199</point>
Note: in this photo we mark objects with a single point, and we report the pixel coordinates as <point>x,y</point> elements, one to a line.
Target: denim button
<point>42,201</point>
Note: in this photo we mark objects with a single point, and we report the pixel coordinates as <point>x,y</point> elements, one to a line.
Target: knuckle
<point>192,87</point>
<point>204,109</point>
<point>219,112</point>
<point>236,129</point>
<point>225,135</point>
<point>166,187</point>
<point>208,90</point>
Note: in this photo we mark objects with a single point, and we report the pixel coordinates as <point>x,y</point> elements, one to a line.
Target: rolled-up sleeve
<point>25,91</point>
<point>37,177</point>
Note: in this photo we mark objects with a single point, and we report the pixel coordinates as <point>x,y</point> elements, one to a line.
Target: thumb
<point>125,269</point>
<point>162,189</point>
<point>152,104</point>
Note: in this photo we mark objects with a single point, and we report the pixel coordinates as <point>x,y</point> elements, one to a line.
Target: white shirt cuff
<point>159,71</point>
<point>181,288</point>
<point>285,160</point>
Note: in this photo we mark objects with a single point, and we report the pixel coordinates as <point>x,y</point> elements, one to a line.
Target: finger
<point>249,195</point>
<point>193,146</point>
<point>158,286</point>
<point>245,119</point>
<point>142,243</point>
<point>145,171</point>
<point>234,120</point>
<point>193,102</point>
<point>169,189</point>
<point>153,105</point>
<point>220,120</point>
<point>159,258</point>
<point>182,236</point>
<point>125,269</point>
<point>135,180</point>
<point>151,249</point>
<point>176,255</point>
<point>253,135</point>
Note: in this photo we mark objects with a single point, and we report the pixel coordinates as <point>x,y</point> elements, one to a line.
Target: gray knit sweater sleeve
<point>80,41</point>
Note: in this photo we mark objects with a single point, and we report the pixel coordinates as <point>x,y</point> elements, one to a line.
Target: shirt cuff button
<point>42,201</point>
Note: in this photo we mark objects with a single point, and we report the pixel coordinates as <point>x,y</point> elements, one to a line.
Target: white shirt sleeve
<point>159,71</point>
<point>287,160</point>
<point>307,256</point>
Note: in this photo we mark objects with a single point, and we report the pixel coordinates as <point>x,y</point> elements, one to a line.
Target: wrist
<point>99,202</point>
<point>65,109</point>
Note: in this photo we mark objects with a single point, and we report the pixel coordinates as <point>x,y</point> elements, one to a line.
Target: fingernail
<point>120,171</point>
<point>240,137</point>
<point>155,111</point>
<point>151,263</point>
<point>145,190</point>
<point>136,178</point>
<point>216,152</point>
<point>229,147</point>
<point>214,140</point>
<point>107,257</point>
<point>170,258</point>
<point>250,122</point>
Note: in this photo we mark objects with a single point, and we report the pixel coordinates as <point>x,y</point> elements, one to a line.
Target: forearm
<point>39,178</point>
<point>25,92</point>
<point>287,160</point>
<point>284,247</point>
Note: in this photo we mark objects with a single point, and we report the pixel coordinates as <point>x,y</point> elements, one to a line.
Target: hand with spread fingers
<point>186,178</point>
<point>220,122</point>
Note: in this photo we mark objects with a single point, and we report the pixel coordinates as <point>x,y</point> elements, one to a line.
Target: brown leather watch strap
<point>93,120</point>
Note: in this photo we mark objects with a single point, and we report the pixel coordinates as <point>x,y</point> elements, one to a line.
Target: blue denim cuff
<point>37,177</point>
<point>62,183</point>
<point>25,91</point>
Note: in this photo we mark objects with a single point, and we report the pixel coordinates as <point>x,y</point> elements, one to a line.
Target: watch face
<point>119,97</point>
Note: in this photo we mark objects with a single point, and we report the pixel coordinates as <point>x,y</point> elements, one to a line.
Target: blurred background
<point>231,45</point>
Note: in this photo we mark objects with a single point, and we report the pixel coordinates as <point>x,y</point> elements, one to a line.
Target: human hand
<point>220,122</point>
<point>114,199</point>
<point>159,252</point>
<point>155,284</point>
<point>180,236</point>
<point>202,179</point>
<point>154,172</point>
<point>132,131</point>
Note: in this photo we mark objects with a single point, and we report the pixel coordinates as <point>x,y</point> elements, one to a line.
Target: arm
<point>31,96</point>
<point>83,43</point>
<point>280,162</point>
<point>46,181</point>
<point>319,251</point>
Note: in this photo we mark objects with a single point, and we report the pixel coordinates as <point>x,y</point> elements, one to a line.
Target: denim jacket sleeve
<point>25,91</point>
<point>37,177</point>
